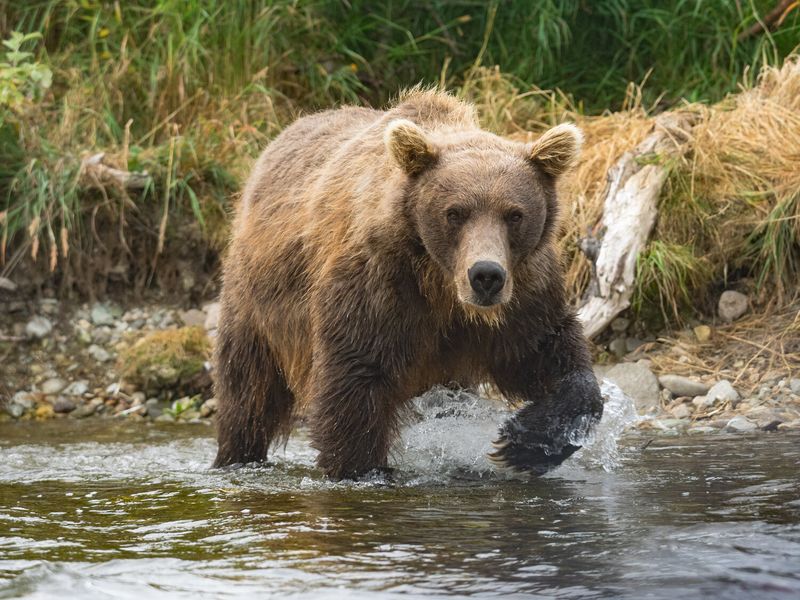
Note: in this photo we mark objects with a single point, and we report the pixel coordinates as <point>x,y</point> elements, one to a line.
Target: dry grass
<point>759,348</point>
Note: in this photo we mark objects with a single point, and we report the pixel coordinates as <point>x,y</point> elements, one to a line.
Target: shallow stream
<point>100,509</point>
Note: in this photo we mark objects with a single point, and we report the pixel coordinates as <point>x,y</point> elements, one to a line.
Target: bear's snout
<point>487,278</point>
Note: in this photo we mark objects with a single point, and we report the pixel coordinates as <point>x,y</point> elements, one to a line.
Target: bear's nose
<point>486,278</point>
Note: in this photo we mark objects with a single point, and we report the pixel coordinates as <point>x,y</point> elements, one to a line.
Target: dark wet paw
<point>536,459</point>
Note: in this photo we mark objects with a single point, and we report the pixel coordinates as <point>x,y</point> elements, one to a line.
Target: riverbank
<point>152,362</point>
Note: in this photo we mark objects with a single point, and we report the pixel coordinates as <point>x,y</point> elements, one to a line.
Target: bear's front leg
<point>362,348</point>
<point>562,402</point>
<point>354,418</point>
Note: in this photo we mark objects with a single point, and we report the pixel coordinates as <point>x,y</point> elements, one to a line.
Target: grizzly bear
<point>378,253</point>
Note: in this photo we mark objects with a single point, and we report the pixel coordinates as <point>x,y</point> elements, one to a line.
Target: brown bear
<point>378,253</point>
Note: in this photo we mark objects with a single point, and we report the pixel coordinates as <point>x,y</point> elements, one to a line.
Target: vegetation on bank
<point>190,91</point>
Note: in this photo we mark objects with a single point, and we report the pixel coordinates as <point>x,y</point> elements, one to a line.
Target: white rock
<point>212,315</point>
<point>722,391</point>
<point>53,386</point>
<point>77,388</point>
<point>99,353</point>
<point>683,386</point>
<point>101,315</point>
<point>740,423</point>
<point>7,284</point>
<point>38,327</point>
<point>24,399</point>
<point>732,305</point>
<point>638,382</point>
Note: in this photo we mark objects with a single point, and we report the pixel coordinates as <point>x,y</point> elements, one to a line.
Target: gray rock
<point>732,305</point>
<point>99,353</point>
<point>638,382</point>
<point>38,327</point>
<point>683,386</point>
<point>794,385</point>
<point>7,284</point>
<point>193,317</point>
<point>741,424</point>
<point>722,391</point>
<point>63,405</point>
<point>682,411</point>
<point>101,314</point>
<point>53,386</point>
<point>618,347</point>
<point>77,388</point>
<point>24,399</point>
<point>15,410</point>
<point>84,410</point>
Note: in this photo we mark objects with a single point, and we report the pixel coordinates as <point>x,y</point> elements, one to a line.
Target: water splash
<point>600,449</point>
<point>453,430</point>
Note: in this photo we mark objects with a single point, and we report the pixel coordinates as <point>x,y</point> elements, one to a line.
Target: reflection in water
<point>100,511</point>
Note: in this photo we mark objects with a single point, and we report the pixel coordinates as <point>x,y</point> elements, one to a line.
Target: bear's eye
<point>514,217</point>
<point>455,216</point>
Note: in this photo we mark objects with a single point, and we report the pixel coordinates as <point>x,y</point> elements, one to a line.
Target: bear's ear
<point>409,147</point>
<point>558,149</point>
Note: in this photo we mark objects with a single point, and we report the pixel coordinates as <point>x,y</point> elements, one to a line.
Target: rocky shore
<point>152,363</point>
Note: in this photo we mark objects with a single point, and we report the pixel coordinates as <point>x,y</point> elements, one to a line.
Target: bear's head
<point>482,206</point>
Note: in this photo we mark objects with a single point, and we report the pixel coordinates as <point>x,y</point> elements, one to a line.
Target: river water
<point>101,509</point>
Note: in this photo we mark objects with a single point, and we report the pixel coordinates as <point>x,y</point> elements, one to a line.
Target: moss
<point>166,359</point>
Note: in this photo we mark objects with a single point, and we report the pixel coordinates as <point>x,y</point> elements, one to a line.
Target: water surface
<point>120,510</point>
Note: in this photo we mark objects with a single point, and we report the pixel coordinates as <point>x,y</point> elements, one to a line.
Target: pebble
<point>63,405</point>
<point>208,408</point>
<point>741,424</point>
<point>682,411</point>
<point>618,347</point>
<point>101,315</point>
<point>722,391</point>
<point>24,399</point>
<point>732,305</point>
<point>77,388</point>
<point>794,385</point>
<point>7,284</point>
<point>99,353</point>
<point>84,410</point>
<point>702,333</point>
<point>53,386</point>
<point>212,315</point>
<point>38,327</point>
<point>683,386</point>
<point>15,410</point>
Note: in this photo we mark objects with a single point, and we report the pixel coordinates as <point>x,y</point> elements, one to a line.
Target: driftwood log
<point>94,171</point>
<point>629,213</point>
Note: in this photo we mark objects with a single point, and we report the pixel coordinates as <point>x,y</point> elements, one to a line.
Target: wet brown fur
<point>343,292</point>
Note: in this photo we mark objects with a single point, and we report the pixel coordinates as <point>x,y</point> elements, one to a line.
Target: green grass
<point>191,90</point>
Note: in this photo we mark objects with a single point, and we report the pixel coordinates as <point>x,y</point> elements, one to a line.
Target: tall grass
<point>190,90</point>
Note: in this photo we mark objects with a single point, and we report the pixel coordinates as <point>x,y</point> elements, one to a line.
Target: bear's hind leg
<point>254,402</point>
